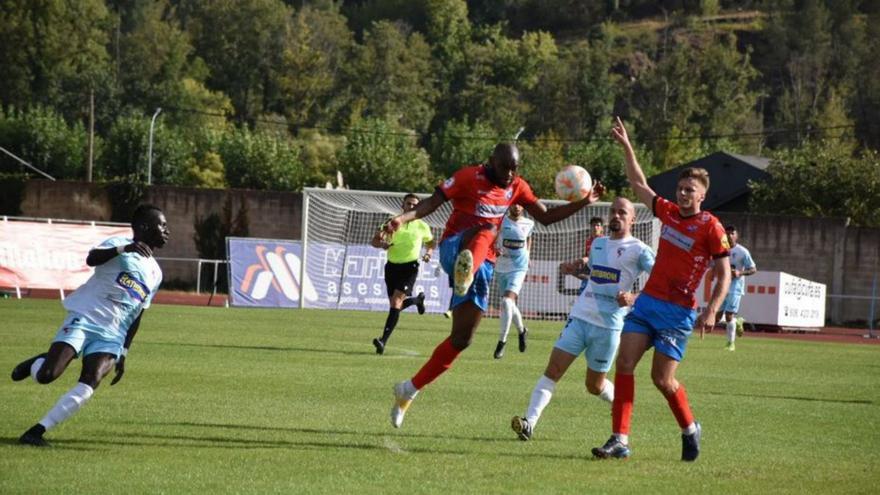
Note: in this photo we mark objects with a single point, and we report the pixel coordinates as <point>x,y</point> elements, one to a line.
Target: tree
<point>41,137</point>
<point>124,151</point>
<point>459,144</point>
<point>260,160</point>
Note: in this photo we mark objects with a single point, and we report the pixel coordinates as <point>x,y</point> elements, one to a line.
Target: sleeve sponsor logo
<point>604,275</point>
<point>135,288</point>
<point>676,238</point>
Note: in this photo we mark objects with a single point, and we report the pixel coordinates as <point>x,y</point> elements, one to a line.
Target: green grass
<point>262,401</point>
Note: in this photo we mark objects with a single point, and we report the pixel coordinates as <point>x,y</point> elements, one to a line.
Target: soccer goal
<point>348,273</point>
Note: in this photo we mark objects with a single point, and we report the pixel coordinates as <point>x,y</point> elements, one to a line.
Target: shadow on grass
<point>266,348</point>
<point>793,397</point>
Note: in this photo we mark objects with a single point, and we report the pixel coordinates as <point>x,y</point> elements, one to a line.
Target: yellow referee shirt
<point>406,243</point>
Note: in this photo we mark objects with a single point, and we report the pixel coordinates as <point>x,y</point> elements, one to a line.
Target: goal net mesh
<point>348,273</point>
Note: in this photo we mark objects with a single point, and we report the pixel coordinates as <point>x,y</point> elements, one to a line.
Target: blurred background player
<point>741,266</point>
<point>596,317</point>
<point>579,268</point>
<point>404,248</point>
<point>480,195</point>
<point>514,245</point>
<point>103,316</point>
<point>664,314</point>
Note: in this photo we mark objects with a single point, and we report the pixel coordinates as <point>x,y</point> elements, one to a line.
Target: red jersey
<point>477,201</point>
<point>687,244</point>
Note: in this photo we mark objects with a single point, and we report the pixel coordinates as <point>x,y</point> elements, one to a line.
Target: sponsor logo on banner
<point>266,273</point>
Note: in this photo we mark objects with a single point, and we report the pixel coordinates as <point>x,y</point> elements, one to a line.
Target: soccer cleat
<point>613,449</point>
<point>730,346</point>
<point>34,436</point>
<point>448,313</point>
<point>522,340</point>
<point>401,404</point>
<point>23,369</point>
<point>740,326</point>
<point>690,444</point>
<point>380,346</point>
<point>463,272</point>
<point>499,349</point>
<point>522,428</point>
<point>420,303</point>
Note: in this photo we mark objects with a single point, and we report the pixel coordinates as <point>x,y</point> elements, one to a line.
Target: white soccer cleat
<point>401,404</point>
<point>463,272</point>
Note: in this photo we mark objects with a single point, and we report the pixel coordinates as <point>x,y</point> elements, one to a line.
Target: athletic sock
<point>480,245</point>
<point>67,405</point>
<point>505,318</point>
<point>409,301</point>
<point>390,323</point>
<point>35,367</point>
<point>541,395</point>
<point>607,393</point>
<point>678,402</point>
<point>440,361</point>
<point>731,331</point>
<point>621,408</point>
<point>517,316</point>
<point>622,438</point>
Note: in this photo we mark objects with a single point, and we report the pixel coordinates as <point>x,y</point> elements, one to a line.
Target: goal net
<point>348,273</point>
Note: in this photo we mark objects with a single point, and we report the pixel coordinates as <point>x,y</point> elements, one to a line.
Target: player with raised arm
<point>596,318</point>
<point>514,245</point>
<point>480,195</point>
<point>404,249</point>
<point>103,316</point>
<point>664,314</point>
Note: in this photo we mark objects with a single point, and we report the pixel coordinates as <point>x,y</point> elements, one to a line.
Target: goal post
<point>348,273</point>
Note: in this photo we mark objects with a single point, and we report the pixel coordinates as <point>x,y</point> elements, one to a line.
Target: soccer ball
<point>573,183</point>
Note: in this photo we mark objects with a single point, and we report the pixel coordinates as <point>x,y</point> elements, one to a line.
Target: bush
<point>257,160</point>
<point>124,153</point>
<point>42,138</point>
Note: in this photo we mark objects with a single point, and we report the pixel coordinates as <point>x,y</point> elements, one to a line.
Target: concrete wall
<point>826,250</point>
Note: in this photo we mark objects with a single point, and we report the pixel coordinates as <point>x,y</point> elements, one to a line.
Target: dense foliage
<point>395,94</point>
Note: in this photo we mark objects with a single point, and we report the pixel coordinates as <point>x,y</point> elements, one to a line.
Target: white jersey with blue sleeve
<point>513,246</point>
<point>615,265</point>
<point>740,259</point>
<point>117,292</point>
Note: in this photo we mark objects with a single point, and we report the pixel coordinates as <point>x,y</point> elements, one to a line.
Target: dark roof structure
<point>729,176</point>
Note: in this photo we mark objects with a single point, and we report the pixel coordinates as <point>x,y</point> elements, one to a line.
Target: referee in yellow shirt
<point>402,267</point>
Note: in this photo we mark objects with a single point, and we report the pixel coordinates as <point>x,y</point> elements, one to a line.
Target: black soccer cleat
<point>23,369</point>
<point>613,449</point>
<point>420,303</point>
<point>522,340</point>
<point>499,349</point>
<point>690,445</point>
<point>380,346</point>
<point>34,436</point>
<point>522,428</point>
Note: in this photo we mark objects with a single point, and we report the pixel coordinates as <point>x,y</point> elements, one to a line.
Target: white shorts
<point>510,281</point>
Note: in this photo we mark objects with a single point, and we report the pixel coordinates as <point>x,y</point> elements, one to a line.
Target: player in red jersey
<point>664,314</point>
<point>480,196</point>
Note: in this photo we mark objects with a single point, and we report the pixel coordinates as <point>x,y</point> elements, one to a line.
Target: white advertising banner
<point>777,298</point>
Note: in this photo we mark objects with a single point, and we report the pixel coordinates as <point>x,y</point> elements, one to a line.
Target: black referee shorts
<point>401,276</point>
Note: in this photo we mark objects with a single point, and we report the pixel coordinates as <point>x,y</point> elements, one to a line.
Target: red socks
<point>678,402</point>
<point>440,361</point>
<point>621,408</point>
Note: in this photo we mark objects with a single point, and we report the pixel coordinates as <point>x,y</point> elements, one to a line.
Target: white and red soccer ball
<point>573,183</point>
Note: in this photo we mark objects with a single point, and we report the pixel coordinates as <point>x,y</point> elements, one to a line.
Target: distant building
<point>729,174</point>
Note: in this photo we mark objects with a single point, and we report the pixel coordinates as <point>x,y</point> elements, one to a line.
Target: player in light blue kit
<point>741,266</point>
<point>103,316</point>
<point>514,245</point>
<point>596,318</point>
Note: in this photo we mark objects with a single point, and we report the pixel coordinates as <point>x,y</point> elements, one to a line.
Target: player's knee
<point>593,388</point>
<point>664,384</point>
<point>554,372</point>
<point>460,343</point>
<point>625,365</point>
<point>45,376</point>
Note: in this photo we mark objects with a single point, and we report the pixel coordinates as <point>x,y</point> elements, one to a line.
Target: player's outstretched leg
<point>23,369</point>
<point>404,393</point>
<point>614,448</point>
<point>690,444</point>
<point>522,428</point>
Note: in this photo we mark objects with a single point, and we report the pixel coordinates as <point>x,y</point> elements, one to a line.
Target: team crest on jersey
<point>135,288</point>
<point>691,228</point>
<point>508,193</point>
<point>604,275</point>
<point>448,183</point>
<point>620,251</point>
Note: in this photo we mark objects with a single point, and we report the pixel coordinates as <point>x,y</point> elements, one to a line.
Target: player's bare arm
<point>100,256</point>
<point>634,173</point>
<point>379,239</point>
<point>548,216</point>
<point>721,274</point>
<point>423,209</point>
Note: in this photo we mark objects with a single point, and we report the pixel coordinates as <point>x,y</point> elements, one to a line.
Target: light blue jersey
<point>116,293</point>
<point>615,264</point>
<point>513,245</point>
<point>740,259</point>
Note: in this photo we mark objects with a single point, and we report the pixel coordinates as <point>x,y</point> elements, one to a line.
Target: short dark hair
<point>411,195</point>
<point>595,220</point>
<point>730,227</point>
<point>144,213</point>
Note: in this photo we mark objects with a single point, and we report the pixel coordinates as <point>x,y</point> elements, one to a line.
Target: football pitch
<point>293,401</point>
